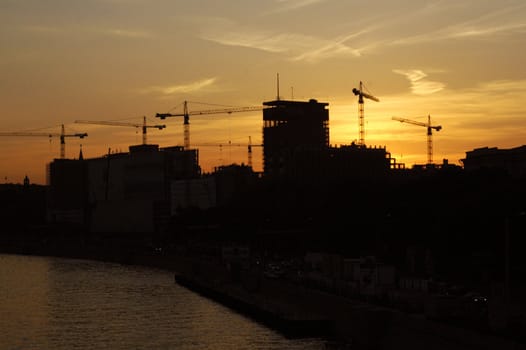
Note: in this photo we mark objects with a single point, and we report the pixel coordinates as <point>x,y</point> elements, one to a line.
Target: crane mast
<point>62,135</point>
<point>361,128</point>
<point>186,116</point>
<point>429,128</point>
<point>250,145</point>
<point>249,148</point>
<point>250,152</point>
<point>143,126</point>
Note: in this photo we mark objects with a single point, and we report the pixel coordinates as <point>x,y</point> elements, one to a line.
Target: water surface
<point>55,303</point>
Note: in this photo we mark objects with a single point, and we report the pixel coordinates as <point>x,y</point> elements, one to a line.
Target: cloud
<point>256,40</point>
<point>126,2</point>
<point>41,29</point>
<point>127,33</point>
<point>420,85</point>
<point>297,47</point>
<point>496,98</point>
<point>75,30</point>
<point>460,31</point>
<point>178,89</point>
<point>290,5</point>
<point>329,49</point>
<point>472,32</point>
<point>504,86</point>
<point>484,109</point>
<point>485,114</point>
<point>505,20</point>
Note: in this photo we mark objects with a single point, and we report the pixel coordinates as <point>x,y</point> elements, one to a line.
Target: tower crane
<point>186,116</point>
<point>250,145</point>
<point>62,136</point>
<point>250,151</point>
<point>361,94</point>
<point>143,126</point>
<point>429,133</point>
<point>229,144</point>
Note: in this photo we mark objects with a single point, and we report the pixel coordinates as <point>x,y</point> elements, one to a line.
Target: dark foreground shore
<point>293,309</point>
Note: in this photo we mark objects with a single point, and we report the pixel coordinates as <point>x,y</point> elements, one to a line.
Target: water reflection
<point>51,303</point>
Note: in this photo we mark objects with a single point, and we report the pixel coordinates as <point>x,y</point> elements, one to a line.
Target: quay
<point>297,310</point>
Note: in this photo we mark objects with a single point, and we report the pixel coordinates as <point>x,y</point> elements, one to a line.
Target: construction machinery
<point>250,145</point>
<point>143,126</point>
<point>186,116</point>
<point>230,144</point>
<point>62,136</point>
<point>429,134</point>
<point>361,94</point>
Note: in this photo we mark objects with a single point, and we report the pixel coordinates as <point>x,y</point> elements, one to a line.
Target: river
<point>56,303</point>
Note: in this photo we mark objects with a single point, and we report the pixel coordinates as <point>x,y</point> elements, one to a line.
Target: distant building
<point>296,147</point>
<point>193,193</point>
<point>139,190</point>
<point>119,192</point>
<point>293,130</point>
<point>512,160</point>
<point>353,161</point>
<point>233,182</point>
<point>67,191</point>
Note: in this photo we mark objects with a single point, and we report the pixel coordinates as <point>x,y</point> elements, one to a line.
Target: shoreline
<point>295,311</point>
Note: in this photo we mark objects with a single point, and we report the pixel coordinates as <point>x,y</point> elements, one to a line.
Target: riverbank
<point>364,325</point>
<point>293,309</point>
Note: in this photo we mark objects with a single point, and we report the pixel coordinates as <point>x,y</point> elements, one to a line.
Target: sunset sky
<point>460,61</point>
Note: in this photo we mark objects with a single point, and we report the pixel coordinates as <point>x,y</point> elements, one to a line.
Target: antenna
<point>277,82</point>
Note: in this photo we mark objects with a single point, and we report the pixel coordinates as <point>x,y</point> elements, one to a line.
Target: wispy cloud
<point>41,29</point>
<point>488,107</point>
<point>481,31</point>
<point>419,84</point>
<point>497,99</point>
<point>76,30</point>
<point>505,20</point>
<point>260,40</point>
<point>290,5</point>
<point>182,88</point>
<point>332,48</point>
<point>127,33</point>
<point>460,31</point>
<point>504,86</point>
<point>297,47</point>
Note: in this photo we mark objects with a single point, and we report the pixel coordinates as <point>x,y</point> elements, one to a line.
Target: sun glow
<point>456,62</point>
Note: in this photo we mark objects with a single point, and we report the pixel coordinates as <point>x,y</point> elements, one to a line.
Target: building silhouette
<point>292,129</point>
<point>297,146</point>
<point>512,161</point>
<point>139,190</point>
<point>119,192</point>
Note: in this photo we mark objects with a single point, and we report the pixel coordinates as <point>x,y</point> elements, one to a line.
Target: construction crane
<point>250,145</point>
<point>429,134</point>
<point>361,94</point>
<point>143,126</point>
<point>62,136</point>
<point>230,144</point>
<point>186,117</point>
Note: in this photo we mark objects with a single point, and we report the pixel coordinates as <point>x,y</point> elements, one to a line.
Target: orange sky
<point>461,62</point>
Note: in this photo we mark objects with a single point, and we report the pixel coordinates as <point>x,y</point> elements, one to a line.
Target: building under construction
<point>137,190</point>
<point>296,146</point>
<point>292,128</point>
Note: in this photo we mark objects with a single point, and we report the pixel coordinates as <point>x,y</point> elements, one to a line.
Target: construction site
<point>348,220</point>
<point>156,183</point>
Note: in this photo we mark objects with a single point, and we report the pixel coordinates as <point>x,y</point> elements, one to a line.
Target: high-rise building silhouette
<point>291,129</point>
